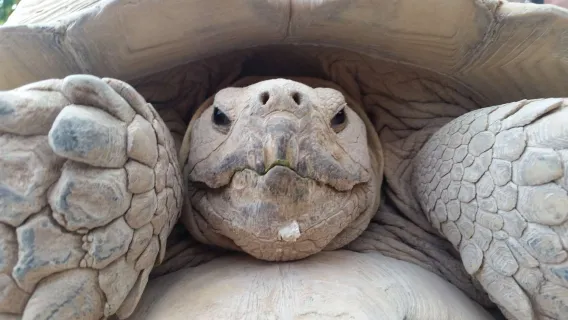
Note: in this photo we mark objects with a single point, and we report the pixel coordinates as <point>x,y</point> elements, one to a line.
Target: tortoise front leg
<point>89,191</point>
<point>494,182</point>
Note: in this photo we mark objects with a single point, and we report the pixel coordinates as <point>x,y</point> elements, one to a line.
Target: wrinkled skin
<point>474,180</point>
<point>279,170</point>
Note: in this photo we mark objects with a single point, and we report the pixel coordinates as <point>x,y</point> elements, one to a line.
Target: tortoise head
<point>279,170</point>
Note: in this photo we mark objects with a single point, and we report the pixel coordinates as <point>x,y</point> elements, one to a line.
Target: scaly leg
<point>494,182</point>
<point>89,190</point>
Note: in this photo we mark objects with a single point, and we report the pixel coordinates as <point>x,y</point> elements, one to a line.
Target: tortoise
<point>283,160</point>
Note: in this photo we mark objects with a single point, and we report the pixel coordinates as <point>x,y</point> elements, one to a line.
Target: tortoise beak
<point>280,146</point>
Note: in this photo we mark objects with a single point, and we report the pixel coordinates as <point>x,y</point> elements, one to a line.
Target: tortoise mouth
<point>278,181</point>
<point>279,164</point>
<point>275,181</point>
<point>276,175</point>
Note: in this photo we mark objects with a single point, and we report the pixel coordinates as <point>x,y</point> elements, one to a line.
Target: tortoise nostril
<point>297,98</point>
<point>264,97</point>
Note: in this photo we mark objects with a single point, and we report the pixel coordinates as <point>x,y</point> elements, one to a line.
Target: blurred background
<point>6,8</point>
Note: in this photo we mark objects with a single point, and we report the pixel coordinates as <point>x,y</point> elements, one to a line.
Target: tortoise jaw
<point>278,216</point>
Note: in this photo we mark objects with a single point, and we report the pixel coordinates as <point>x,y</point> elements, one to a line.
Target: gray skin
<point>91,224</point>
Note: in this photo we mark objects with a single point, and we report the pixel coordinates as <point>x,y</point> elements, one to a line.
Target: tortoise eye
<point>220,118</point>
<point>339,120</point>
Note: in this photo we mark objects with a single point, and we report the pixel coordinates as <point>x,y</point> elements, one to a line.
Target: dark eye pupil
<point>339,118</point>
<point>219,118</point>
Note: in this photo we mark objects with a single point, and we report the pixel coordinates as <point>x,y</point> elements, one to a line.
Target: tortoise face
<point>278,170</point>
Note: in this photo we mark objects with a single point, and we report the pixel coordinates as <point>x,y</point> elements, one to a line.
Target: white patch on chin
<point>290,232</point>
